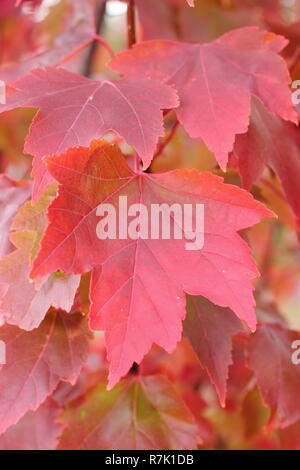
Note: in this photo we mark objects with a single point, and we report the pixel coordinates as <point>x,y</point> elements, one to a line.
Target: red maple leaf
<point>37,430</point>
<point>215,81</point>
<point>273,142</point>
<point>22,303</point>
<point>278,378</point>
<point>140,283</point>
<point>163,422</point>
<point>73,110</point>
<point>210,329</point>
<point>55,351</point>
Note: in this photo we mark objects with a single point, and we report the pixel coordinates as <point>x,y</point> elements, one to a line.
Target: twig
<point>273,188</point>
<point>168,139</point>
<point>131,29</point>
<point>87,69</point>
<point>293,62</point>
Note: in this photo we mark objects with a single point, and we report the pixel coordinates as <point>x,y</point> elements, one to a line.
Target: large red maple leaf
<point>215,81</point>
<point>73,110</point>
<point>138,286</point>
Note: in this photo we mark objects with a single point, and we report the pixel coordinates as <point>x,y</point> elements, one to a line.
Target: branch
<point>131,29</point>
<point>168,139</point>
<point>87,69</point>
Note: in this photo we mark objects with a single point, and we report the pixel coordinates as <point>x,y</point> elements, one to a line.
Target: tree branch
<point>88,66</point>
<point>167,140</point>
<point>131,29</point>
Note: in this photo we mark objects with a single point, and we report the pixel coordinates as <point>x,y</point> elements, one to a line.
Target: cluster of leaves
<point>202,113</point>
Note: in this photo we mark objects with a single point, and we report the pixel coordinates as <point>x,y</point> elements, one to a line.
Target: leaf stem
<point>101,41</point>
<point>134,369</point>
<point>137,163</point>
